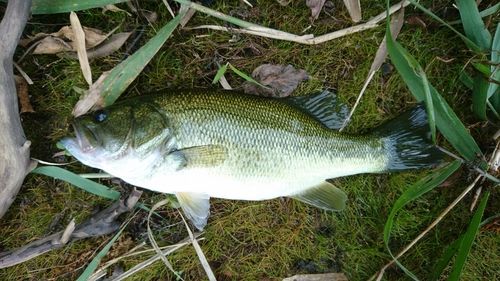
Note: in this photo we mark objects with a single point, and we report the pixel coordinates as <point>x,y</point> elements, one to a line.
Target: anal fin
<point>324,195</point>
<point>196,206</point>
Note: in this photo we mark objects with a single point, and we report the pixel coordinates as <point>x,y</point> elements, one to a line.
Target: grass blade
<point>58,6</point>
<point>123,74</point>
<point>473,24</point>
<point>81,182</point>
<point>479,97</point>
<point>153,241</point>
<point>246,77</point>
<point>447,255</point>
<point>487,12</point>
<point>450,251</point>
<point>76,180</point>
<point>199,252</point>
<point>493,87</point>
<point>467,241</point>
<point>415,191</point>
<point>222,70</point>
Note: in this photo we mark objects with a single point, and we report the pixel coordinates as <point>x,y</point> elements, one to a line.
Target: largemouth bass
<point>199,144</point>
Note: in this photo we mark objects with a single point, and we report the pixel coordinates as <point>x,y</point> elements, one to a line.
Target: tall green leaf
<point>83,183</point>
<point>124,74</point>
<point>473,24</point>
<point>479,97</point>
<point>493,88</point>
<point>64,6</point>
<point>467,241</point>
<point>76,180</point>
<point>447,255</point>
<point>450,251</point>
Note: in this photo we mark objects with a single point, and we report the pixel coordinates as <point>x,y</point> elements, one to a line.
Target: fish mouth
<point>85,139</point>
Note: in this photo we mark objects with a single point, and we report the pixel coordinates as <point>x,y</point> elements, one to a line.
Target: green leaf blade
<point>468,240</point>
<point>76,180</point>
<point>58,6</point>
<point>124,74</point>
<point>473,24</point>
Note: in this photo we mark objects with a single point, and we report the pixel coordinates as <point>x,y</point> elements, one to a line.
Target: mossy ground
<point>272,239</point>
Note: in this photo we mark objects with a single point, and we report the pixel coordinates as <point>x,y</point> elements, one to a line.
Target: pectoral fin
<point>324,195</point>
<point>196,206</point>
<point>204,156</point>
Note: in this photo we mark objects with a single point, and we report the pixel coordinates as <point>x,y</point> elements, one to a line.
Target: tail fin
<point>408,137</point>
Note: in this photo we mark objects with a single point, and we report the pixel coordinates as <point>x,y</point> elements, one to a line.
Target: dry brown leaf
<point>92,97</point>
<point>51,45</point>
<point>93,37</point>
<point>354,9</point>
<point>382,53</point>
<point>416,20</point>
<point>315,6</point>
<point>282,80</point>
<point>81,50</point>
<point>106,48</point>
<point>64,40</point>
<point>22,93</point>
<point>113,8</point>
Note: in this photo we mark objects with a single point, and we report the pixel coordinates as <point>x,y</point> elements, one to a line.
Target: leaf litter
<point>22,94</point>
<point>97,43</point>
<point>281,80</point>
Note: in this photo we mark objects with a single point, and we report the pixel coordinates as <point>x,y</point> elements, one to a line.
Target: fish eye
<point>100,115</point>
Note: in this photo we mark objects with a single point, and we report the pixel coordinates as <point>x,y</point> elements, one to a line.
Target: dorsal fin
<point>324,106</point>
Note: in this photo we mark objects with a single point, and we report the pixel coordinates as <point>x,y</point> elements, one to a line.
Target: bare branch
<point>102,223</point>
<point>15,160</point>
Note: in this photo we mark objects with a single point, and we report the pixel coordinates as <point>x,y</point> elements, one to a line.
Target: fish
<point>201,144</point>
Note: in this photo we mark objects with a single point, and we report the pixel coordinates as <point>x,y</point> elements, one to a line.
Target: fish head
<point>126,131</point>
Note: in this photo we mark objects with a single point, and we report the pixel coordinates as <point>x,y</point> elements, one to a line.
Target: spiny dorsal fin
<point>324,195</point>
<point>204,156</point>
<point>196,206</point>
<point>324,106</point>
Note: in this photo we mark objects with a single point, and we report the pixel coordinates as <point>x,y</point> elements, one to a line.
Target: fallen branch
<point>102,223</point>
<point>15,160</point>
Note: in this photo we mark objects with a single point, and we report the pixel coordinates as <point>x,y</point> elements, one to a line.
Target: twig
<point>309,39</point>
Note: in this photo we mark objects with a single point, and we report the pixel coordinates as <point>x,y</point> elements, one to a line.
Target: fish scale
<point>199,144</point>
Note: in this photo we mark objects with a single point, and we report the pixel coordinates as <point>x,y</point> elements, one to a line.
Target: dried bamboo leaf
<point>354,9</point>
<point>80,47</point>
<point>93,95</point>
